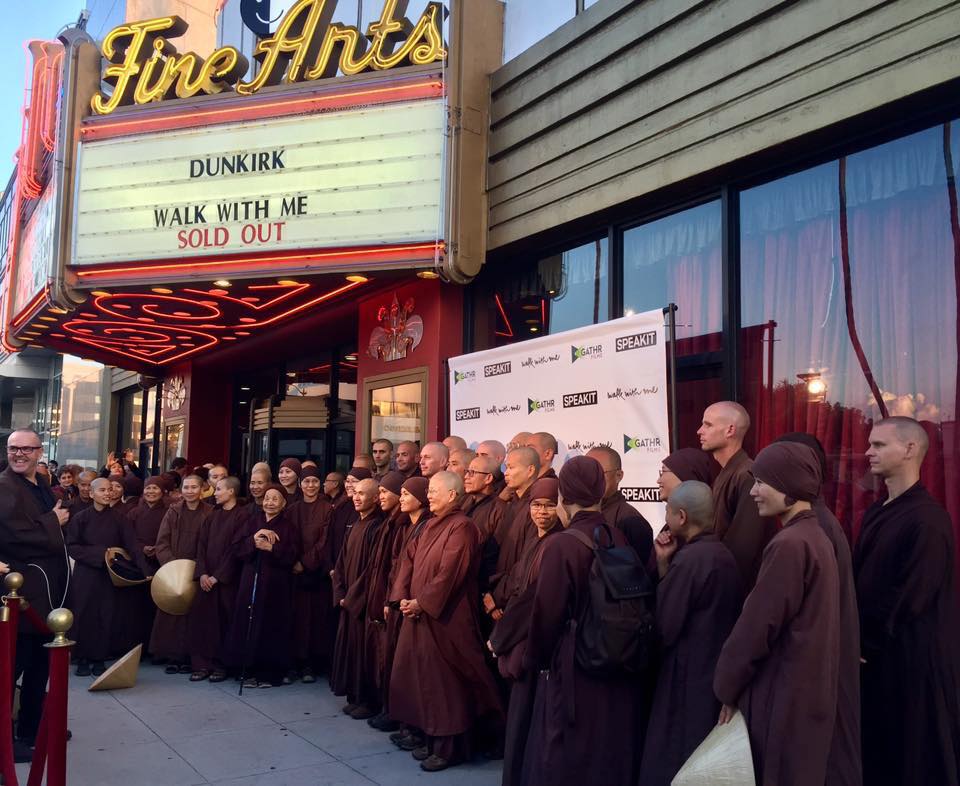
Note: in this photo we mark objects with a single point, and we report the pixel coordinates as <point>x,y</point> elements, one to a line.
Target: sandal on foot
<point>200,676</point>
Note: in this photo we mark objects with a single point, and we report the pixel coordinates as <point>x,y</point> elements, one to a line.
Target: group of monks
<point>435,588</point>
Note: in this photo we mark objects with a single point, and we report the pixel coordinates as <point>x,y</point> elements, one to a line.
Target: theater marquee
<point>369,176</point>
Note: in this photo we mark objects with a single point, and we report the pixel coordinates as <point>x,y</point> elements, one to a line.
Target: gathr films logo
<point>464,376</point>
<point>650,444</point>
<point>594,351</point>
<point>540,405</point>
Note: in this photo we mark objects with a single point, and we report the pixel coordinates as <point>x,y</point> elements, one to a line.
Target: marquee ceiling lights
<point>373,256</point>
<point>154,330</point>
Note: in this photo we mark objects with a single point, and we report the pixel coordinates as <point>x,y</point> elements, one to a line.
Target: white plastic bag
<point>722,759</point>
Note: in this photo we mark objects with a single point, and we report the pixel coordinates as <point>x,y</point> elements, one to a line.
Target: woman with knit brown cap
<point>780,664</point>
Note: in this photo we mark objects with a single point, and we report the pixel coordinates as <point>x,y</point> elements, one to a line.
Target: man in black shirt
<point>32,543</point>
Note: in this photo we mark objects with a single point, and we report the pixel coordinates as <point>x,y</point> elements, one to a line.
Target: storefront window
<point>678,259</point>
<point>567,290</point>
<point>848,294</point>
<point>397,413</point>
<point>77,414</point>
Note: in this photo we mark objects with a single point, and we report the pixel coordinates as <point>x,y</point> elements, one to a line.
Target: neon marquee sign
<point>307,45</point>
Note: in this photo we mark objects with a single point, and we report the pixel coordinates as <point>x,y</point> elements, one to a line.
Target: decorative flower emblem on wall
<point>399,332</point>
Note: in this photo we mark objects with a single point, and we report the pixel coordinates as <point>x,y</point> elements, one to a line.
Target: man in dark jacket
<point>32,543</point>
<point>616,510</point>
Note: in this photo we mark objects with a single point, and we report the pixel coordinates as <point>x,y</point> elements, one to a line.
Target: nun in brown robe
<point>440,681</point>
<point>177,539</point>
<point>90,533</point>
<point>736,520</point>
<point>906,586</point>
<point>394,525</point>
<point>509,637</point>
<point>217,567</point>
<point>844,765</point>
<point>288,476</point>
<point>259,640</point>
<point>312,590</point>
<point>698,600</point>
<point>414,513</point>
<point>144,520</point>
<point>780,664</point>
<point>348,674</point>
<point>584,729</point>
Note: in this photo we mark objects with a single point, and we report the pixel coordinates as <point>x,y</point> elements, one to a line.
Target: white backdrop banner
<point>604,384</point>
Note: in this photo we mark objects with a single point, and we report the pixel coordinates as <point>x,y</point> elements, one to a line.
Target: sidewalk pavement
<point>167,731</point>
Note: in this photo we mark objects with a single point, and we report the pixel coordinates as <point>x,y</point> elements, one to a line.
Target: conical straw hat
<point>722,759</point>
<point>173,587</point>
<point>122,674</point>
<point>118,580</point>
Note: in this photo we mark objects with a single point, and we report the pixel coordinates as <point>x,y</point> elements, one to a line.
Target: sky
<point>38,19</point>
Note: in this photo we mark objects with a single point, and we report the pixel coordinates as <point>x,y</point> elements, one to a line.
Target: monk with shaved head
<point>453,442</point>
<point>905,570</point>
<point>737,522</point>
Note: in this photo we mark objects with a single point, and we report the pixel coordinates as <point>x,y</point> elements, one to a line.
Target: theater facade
<point>279,259</point>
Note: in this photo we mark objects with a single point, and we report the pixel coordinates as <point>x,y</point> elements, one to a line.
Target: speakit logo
<point>640,493</point>
<point>595,352</point>
<point>650,444</point>
<point>471,413</point>
<point>636,341</point>
<point>498,369</point>
<point>586,399</point>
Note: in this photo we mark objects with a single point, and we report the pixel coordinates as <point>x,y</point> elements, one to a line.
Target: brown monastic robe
<point>259,645</point>
<point>211,613</point>
<point>516,530</point>
<point>403,532</point>
<point>698,601</point>
<point>905,577</point>
<point>584,729</point>
<point>348,674</point>
<point>378,591</point>
<point>94,598</point>
<point>621,514</point>
<point>145,520</point>
<point>312,589</point>
<point>177,539</point>
<point>736,520</point>
<point>509,641</point>
<point>440,681</point>
<point>843,766</point>
<point>780,663</point>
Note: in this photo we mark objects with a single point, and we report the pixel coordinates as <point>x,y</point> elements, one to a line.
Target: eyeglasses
<point>22,450</point>
<point>476,472</point>
<point>543,506</point>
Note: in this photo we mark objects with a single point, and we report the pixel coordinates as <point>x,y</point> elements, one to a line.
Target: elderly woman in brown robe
<point>259,641</point>
<point>780,664</point>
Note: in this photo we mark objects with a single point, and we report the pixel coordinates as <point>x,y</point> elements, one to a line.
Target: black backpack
<point>616,631</point>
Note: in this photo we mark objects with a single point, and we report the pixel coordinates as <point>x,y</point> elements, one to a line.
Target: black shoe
<point>83,669</point>
<point>434,763</point>
<point>348,708</point>
<point>173,668</point>
<point>421,754</point>
<point>384,722</point>
<point>399,736</point>
<point>98,668</point>
<point>308,676</point>
<point>22,753</point>
<point>362,712</point>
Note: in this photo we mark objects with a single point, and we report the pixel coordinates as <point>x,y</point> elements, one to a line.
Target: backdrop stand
<point>671,326</point>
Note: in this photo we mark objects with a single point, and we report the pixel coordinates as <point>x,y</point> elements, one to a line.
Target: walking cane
<point>246,643</point>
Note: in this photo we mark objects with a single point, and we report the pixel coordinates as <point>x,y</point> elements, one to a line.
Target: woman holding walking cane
<point>259,640</point>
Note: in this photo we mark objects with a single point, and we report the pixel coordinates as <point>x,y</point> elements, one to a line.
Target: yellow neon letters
<point>145,67</point>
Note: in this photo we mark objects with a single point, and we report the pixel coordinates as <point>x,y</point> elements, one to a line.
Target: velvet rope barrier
<point>7,633</point>
<point>51,747</point>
